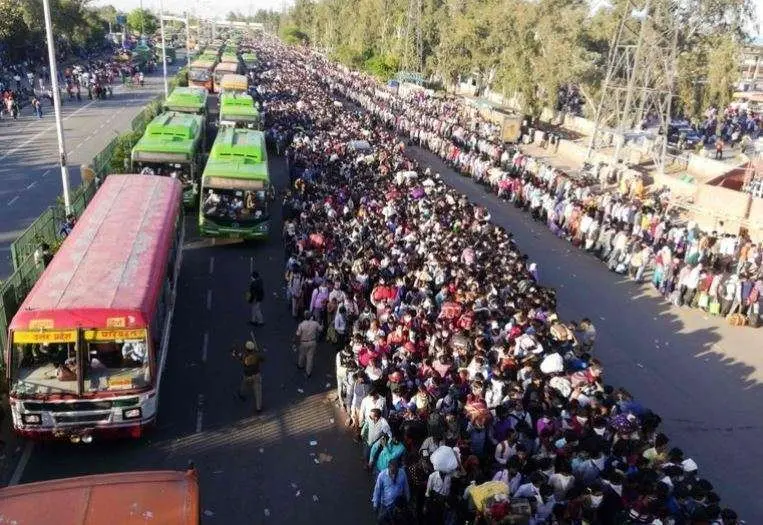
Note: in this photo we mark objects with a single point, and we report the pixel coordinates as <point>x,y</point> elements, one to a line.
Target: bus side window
<point>174,254</point>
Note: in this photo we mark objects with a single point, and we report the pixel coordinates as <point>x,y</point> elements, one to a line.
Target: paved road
<point>247,463</point>
<point>31,178</point>
<point>702,376</point>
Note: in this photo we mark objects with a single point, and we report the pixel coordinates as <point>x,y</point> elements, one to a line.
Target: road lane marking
<point>205,347</point>
<point>46,173</point>
<point>19,470</point>
<point>199,413</point>
<point>14,199</point>
<point>211,265</point>
<point>31,185</point>
<point>41,133</point>
<point>209,299</point>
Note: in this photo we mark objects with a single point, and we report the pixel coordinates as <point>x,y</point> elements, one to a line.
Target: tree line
<point>78,27</point>
<point>527,49</point>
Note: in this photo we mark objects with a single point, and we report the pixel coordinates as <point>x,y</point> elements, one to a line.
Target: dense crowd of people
<point>473,401</point>
<point>635,232</point>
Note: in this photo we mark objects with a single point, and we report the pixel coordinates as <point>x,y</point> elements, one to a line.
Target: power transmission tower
<point>413,42</point>
<point>637,91</point>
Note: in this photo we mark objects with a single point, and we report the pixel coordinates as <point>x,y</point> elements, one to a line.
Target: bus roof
<point>202,63</point>
<point>226,67</point>
<point>232,168</point>
<point>112,263</point>
<point>242,144</point>
<point>234,82</point>
<point>166,497</point>
<point>171,132</point>
<point>175,124</point>
<point>187,98</point>
<point>237,105</point>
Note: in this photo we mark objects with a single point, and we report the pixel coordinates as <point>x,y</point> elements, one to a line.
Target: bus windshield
<point>199,75</point>
<point>182,172</point>
<point>44,368</point>
<point>235,205</point>
<point>114,365</point>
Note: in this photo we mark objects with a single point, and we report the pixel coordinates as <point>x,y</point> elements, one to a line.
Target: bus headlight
<point>132,413</point>
<point>31,419</point>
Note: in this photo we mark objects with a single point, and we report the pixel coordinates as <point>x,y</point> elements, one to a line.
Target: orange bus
<point>161,497</point>
<point>222,69</point>
<point>87,347</point>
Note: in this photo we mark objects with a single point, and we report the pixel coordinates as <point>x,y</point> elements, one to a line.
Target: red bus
<point>88,345</point>
<point>161,497</point>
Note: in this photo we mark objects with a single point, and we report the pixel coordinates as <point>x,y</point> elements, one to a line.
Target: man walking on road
<point>251,359</point>
<point>256,295</point>
<point>390,490</point>
<point>37,106</point>
<point>306,339</point>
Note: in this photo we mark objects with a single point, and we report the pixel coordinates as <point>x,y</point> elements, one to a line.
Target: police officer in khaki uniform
<point>306,339</point>
<point>251,359</point>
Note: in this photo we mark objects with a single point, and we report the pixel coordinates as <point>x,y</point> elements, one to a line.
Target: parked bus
<point>173,145</point>
<point>165,497</point>
<point>229,55</point>
<point>87,347</point>
<point>222,69</point>
<point>210,55</point>
<point>187,100</point>
<point>250,60</point>
<point>200,75</point>
<point>236,189</point>
<point>234,84</point>
<point>238,110</point>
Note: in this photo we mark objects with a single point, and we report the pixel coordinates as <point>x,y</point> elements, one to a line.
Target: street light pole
<point>188,42</point>
<point>164,49</point>
<point>57,105</point>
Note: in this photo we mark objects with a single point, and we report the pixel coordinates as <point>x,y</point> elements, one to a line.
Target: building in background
<point>751,66</point>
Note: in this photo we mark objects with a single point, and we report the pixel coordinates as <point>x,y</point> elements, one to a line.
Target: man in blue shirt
<point>391,484</point>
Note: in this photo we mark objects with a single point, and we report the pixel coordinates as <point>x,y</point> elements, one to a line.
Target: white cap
<point>250,345</point>
<point>689,465</point>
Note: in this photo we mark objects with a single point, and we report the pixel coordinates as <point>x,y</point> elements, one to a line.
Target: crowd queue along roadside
<point>473,400</point>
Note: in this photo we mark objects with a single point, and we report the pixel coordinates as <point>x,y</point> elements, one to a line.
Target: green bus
<point>173,145</point>
<point>238,110</point>
<point>187,100</point>
<point>229,57</point>
<point>235,187</point>
<point>250,60</point>
<point>209,55</point>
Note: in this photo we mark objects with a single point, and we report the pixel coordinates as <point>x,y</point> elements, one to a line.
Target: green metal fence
<point>102,161</point>
<point>14,290</point>
<point>45,229</point>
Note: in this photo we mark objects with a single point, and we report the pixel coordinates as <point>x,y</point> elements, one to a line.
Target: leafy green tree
<point>293,35</point>
<point>525,49</point>
<point>142,20</point>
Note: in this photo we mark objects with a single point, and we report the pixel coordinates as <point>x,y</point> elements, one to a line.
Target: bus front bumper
<point>259,231</point>
<point>84,433</point>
